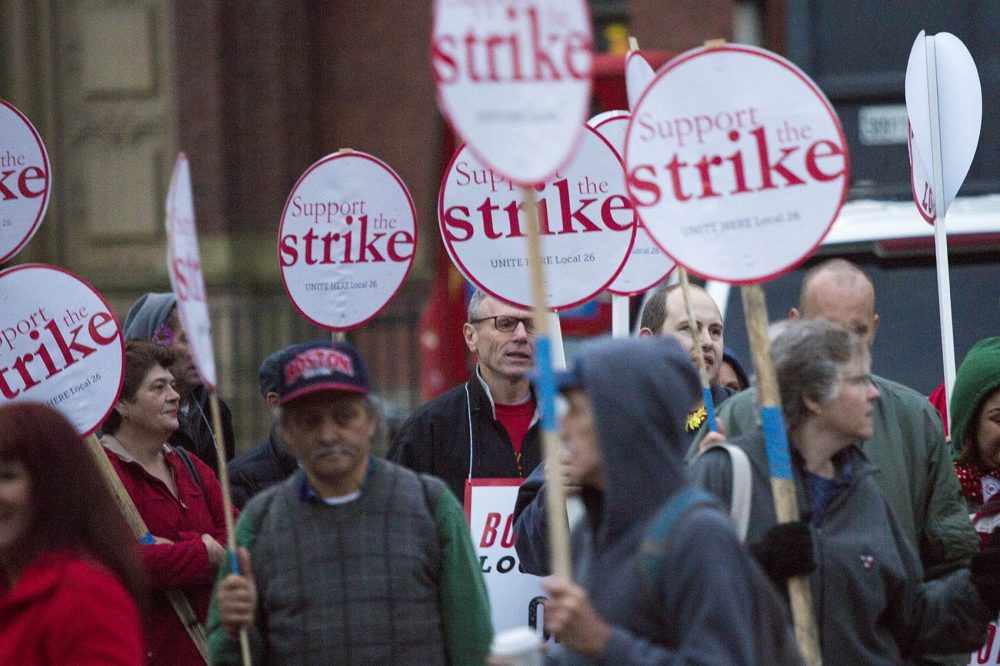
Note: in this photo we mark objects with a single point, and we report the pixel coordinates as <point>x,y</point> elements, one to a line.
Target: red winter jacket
<point>66,609</point>
<point>183,564</point>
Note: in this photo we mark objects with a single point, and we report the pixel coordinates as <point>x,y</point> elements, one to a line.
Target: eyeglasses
<point>507,324</point>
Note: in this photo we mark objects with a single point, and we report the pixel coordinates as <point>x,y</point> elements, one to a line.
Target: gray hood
<point>641,389</point>
<point>147,314</point>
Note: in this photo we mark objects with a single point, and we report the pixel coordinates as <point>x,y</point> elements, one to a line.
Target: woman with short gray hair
<point>869,599</point>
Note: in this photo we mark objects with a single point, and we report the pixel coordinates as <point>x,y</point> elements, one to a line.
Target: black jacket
<point>266,464</point>
<point>435,439</point>
<point>195,432</point>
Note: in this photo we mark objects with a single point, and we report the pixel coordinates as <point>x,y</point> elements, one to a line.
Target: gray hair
<point>809,358</point>
<point>475,301</point>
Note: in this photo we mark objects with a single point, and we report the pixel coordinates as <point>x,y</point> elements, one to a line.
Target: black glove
<point>785,551</point>
<point>985,570</point>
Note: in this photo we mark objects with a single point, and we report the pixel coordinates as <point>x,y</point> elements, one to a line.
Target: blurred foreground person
<point>177,495</point>
<point>662,576</point>
<point>869,599</point>
<point>353,559</point>
<point>69,568</point>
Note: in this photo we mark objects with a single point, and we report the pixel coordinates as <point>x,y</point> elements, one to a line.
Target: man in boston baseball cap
<point>349,536</point>
<point>320,366</point>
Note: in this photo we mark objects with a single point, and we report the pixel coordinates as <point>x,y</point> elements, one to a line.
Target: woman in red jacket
<point>69,568</point>
<point>177,495</point>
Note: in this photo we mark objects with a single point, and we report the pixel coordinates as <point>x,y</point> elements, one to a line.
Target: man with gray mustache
<point>353,559</point>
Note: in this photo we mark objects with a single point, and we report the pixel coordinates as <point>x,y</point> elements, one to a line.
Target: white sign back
<point>184,268</point>
<point>960,112</point>
<point>59,344</point>
<point>24,181</point>
<point>587,226</point>
<point>347,238</point>
<point>736,162</point>
<point>515,597</point>
<point>638,75</point>
<point>513,78</point>
<point>646,265</point>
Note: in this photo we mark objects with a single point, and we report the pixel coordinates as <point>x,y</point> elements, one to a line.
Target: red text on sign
<point>490,530</point>
<point>63,342</point>
<point>526,53</point>
<point>356,244</point>
<point>16,184</point>
<point>821,160</point>
<point>614,212</point>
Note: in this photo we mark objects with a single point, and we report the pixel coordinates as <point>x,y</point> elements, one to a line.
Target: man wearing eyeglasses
<point>487,427</point>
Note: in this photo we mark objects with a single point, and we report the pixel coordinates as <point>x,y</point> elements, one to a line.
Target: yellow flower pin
<point>695,419</point>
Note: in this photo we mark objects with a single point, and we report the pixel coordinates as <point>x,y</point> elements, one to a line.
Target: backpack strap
<point>189,464</point>
<point>742,487</point>
<point>657,543</point>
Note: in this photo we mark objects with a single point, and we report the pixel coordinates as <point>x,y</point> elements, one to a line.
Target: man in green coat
<point>907,445</point>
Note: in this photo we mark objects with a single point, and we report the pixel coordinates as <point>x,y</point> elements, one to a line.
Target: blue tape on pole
<point>546,382</point>
<point>234,563</point>
<point>778,460</point>
<point>147,539</point>
<point>706,393</point>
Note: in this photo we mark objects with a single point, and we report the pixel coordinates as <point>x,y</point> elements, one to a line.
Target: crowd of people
<point>347,557</point>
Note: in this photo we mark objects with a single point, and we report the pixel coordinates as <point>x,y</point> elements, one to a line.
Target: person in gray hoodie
<point>869,597</point>
<point>154,317</point>
<point>624,432</point>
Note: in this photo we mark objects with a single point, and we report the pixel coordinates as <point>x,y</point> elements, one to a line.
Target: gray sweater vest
<point>350,584</point>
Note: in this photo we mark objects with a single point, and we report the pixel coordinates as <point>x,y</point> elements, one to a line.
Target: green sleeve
<point>948,540</point>
<point>739,415</point>
<point>465,607</point>
<point>223,649</point>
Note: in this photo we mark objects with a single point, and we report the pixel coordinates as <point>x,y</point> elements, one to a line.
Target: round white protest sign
<point>958,96</point>
<point>59,344</point>
<point>646,265</point>
<point>736,163</point>
<point>184,267</point>
<point>513,78</point>
<point>586,222</point>
<point>24,181</point>
<point>348,233</point>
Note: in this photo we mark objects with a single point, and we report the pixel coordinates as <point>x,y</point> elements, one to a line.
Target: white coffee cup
<point>518,647</point>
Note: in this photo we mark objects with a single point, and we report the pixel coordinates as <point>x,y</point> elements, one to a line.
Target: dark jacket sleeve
<point>531,524</point>
<point>238,488</point>
<point>937,617</point>
<point>227,430</point>
<point>412,445</point>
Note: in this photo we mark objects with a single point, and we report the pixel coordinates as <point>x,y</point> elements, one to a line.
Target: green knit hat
<point>977,377</point>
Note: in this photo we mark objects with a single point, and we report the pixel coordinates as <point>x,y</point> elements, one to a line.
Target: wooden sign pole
<point>227,508</point>
<point>555,492</point>
<point>779,462</point>
<point>177,599</point>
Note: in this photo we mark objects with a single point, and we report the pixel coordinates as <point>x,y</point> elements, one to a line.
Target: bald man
<point>665,314</point>
<point>907,443</point>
